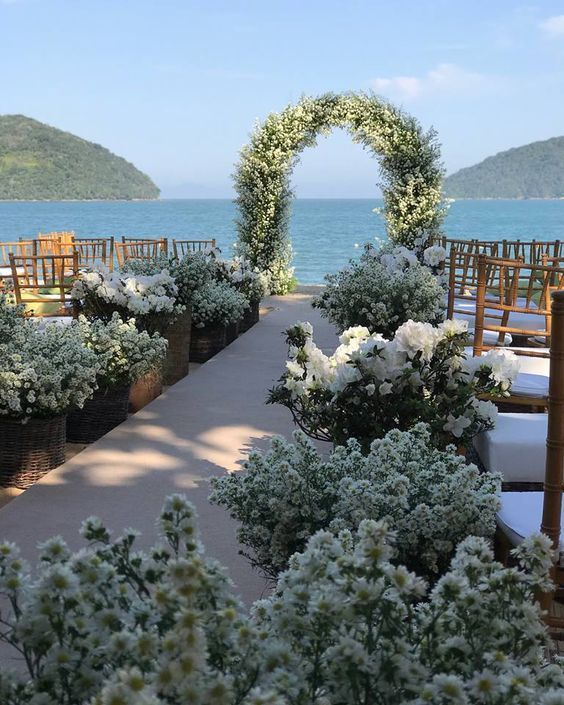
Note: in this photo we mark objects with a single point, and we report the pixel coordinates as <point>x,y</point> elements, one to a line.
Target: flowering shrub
<point>431,498</point>
<point>381,291</point>
<point>190,273</point>
<point>246,279</point>
<point>409,165</point>
<point>43,371</point>
<point>217,304</point>
<point>150,299</point>
<point>371,385</point>
<point>123,353</point>
<point>111,625</point>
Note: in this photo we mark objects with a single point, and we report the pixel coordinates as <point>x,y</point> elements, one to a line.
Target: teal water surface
<point>325,233</point>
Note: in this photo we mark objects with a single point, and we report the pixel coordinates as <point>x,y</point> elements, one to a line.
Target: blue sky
<point>176,86</point>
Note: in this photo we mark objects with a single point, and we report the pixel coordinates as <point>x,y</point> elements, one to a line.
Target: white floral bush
<point>123,353</point>
<point>151,299</point>
<point>381,291</point>
<point>371,384</point>
<point>433,499</point>
<point>409,165</point>
<point>251,282</point>
<point>44,371</point>
<point>217,304</point>
<point>112,625</point>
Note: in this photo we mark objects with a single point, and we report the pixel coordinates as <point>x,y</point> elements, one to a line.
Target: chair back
<point>93,252</point>
<point>183,247</point>
<point>519,305</point>
<point>43,283</point>
<point>55,243</point>
<point>533,252</point>
<point>139,249</point>
<point>20,248</point>
<point>462,267</point>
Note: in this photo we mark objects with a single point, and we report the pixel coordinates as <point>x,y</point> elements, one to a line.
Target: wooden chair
<point>183,247</point>
<point>21,248</point>
<point>533,252</point>
<point>522,306</point>
<point>43,283</point>
<point>93,252</point>
<point>139,249</point>
<point>522,513</point>
<point>55,243</point>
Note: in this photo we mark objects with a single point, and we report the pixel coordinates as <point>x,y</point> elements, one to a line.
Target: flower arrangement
<point>190,273</point>
<point>251,282</point>
<point>150,299</point>
<point>124,354</point>
<point>371,385</point>
<point>409,164</point>
<point>381,291</point>
<point>43,371</point>
<point>433,499</point>
<point>217,304</point>
<point>112,625</point>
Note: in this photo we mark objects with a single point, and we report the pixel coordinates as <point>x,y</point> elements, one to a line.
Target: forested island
<point>40,162</point>
<point>535,170</point>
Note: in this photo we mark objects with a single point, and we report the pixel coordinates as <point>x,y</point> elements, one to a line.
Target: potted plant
<point>44,372</point>
<point>252,283</point>
<point>124,356</point>
<point>214,307</point>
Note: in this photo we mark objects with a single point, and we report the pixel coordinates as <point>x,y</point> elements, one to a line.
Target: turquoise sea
<point>325,233</point>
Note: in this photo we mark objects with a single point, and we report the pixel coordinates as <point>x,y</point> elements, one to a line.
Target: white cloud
<point>444,78</point>
<point>553,26</point>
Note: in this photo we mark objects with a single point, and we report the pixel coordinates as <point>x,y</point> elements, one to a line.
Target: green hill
<point>535,170</point>
<point>39,162</point>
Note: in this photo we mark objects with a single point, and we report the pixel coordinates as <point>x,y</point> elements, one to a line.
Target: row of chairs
<point>97,251</point>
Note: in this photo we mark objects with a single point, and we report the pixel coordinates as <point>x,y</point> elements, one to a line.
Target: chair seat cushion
<point>516,447</point>
<point>527,384</point>
<point>520,515</point>
<point>534,365</point>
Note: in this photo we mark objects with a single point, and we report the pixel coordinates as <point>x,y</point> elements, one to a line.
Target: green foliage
<point>410,171</point>
<point>535,170</point>
<point>39,162</point>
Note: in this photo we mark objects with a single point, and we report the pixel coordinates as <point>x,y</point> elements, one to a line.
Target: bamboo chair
<point>56,243</point>
<point>523,302</point>
<point>183,247</point>
<point>21,248</point>
<point>43,283</point>
<point>139,249</point>
<point>522,513</point>
<point>533,252</point>
<point>93,252</point>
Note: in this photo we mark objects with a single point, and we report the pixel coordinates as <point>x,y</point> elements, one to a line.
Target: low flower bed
<point>371,385</point>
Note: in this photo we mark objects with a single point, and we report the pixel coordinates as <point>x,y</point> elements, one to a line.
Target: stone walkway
<point>201,427</point>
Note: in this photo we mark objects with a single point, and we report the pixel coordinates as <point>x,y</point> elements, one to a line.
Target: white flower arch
<point>410,169</point>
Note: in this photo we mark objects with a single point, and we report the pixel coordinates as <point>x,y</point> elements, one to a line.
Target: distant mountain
<point>39,162</point>
<point>535,170</point>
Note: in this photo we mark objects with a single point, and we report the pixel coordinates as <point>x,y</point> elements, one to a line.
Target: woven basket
<point>206,342</point>
<point>250,317</point>
<point>231,332</point>
<point>106,410</point>
<point>29,450</point>
<point>147,388</point>
<point>177,363</point>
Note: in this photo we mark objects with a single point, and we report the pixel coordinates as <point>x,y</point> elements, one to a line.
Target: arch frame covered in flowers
<point>410,174</point>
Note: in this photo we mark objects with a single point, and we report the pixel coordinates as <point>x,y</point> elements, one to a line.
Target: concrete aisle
<point>201,427</point>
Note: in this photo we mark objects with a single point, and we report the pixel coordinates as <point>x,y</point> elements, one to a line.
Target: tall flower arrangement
<point>410,169</point>
<point>381,291</point>
<point>371,385</point>
<point>111,625</point>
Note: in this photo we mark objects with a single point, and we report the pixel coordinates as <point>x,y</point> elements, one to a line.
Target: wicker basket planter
<point>231,332</point>
<point>250,317</point>
<point>29,450</point>
<point>147,388</point>
<point>206,342</point>
<point>106,410</point>
<point>177,363</point>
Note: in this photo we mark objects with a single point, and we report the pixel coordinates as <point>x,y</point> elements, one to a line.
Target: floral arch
<point>410,170</point>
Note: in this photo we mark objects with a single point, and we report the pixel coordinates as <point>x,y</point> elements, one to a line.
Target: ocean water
<point>325,233</point>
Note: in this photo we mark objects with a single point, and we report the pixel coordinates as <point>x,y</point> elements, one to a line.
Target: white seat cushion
<point>516,447</point>
<point>520,515</point>
<point>527,384</point>
<point>7,271</point>
<point>534,365</point>
<point>527,321</point>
